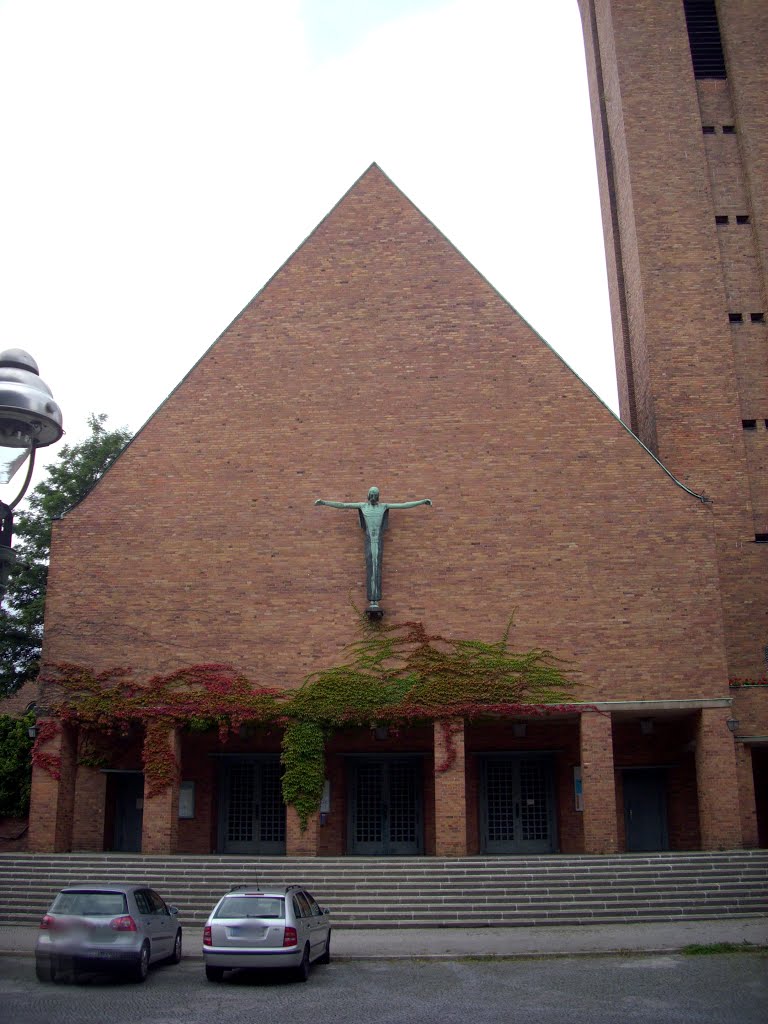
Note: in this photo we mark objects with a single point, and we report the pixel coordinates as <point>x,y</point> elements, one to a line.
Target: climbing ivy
<point>303,759</point>
<point>392,674</point>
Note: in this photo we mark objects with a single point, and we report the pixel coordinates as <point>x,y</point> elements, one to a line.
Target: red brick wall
<point>720,818</point>
<point>750,708</point>
<point>687,378</point>
<point>53,794</point>
<point>90,803</point>
<point>378,355</point>
<point>450,788</point>
<point>600,811</point>
<point>744,28</point>
<point>160,827</point>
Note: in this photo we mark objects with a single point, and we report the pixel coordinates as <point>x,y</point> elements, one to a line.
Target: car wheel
<point>214,973</point>
<point>325,957</point>
<point>302,971</point>
<point>45,970</point>
<point>141,967</point>
<point>175,956</point>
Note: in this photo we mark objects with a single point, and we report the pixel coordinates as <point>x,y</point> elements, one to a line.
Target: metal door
<point>252,818</point>
<point>517,805</point>
<point>128,789</point>
<point>385,807</point>
<point>645,809</point>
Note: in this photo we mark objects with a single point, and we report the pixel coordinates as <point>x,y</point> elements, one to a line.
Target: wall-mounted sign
<point>187,800</point>
<point>578,794</point>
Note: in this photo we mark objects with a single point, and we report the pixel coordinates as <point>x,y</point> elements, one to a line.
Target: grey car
<point>107,928</point>
<point>266,927</point>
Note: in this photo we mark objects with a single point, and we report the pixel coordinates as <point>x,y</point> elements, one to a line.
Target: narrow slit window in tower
<point>704,39</point>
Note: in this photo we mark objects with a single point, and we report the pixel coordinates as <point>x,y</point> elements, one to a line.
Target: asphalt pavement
<point>452,943</point>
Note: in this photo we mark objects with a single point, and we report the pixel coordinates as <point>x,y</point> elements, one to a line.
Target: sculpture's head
<point>373,495</point>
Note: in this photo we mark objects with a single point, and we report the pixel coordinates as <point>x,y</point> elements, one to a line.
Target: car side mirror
<point>173,911</point>
<point>326,910</point>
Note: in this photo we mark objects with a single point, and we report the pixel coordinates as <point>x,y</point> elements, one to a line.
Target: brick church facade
<point>634,549</point>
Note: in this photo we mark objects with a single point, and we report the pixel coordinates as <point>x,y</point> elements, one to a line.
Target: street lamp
<point>29,419</point>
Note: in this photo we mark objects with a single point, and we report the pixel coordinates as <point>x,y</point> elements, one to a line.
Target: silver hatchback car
<point>107,928</point>
<point>266,927</point>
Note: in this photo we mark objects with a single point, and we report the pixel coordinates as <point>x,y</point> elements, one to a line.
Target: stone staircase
<point>424,892</point>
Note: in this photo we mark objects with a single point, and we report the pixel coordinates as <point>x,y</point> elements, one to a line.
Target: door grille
<point>501,801</point>
<point>242,789</point>
<point>403,821</point>
<point>272,818</point>
<point>534,803</point>
<point>517,811</point>
<point>368,817</point>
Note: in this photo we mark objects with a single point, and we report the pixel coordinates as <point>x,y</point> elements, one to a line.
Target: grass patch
<point>723,947</point>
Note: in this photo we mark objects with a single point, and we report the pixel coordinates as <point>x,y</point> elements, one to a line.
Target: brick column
<point>90,800</point>
<point>598,784</point>
<point>298,843</point>
<point>160,825</point>
<point>52,801</point>
<point>450,789</point>
<point>716,775</point>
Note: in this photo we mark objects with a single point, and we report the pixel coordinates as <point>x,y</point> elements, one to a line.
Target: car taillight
<point>207,937</point>
<point>123,924</point>
<point>48,923</point>
<point>290,938</point>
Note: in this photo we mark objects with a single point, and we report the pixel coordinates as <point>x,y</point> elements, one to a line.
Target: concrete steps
<point>427,892</point>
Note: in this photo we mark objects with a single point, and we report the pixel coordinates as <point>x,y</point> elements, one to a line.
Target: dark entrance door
<point>252,815</point>
<point>645,809</point>
<point>385,816</point>
<point>128,790</point>
<point>517,805</point>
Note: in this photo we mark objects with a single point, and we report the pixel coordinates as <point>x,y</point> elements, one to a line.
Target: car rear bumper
<point>231,959</point>
<point>102,960</point>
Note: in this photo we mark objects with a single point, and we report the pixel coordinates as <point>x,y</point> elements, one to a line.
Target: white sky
<point>162,158</point>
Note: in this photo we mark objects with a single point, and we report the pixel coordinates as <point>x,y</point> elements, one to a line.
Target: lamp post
<point>29,419</point>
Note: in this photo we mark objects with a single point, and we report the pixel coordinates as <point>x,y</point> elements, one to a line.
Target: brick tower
<point>679,94</point>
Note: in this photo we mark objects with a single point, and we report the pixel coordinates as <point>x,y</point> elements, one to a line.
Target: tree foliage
<point>76,470</point>
<point>15,765</point>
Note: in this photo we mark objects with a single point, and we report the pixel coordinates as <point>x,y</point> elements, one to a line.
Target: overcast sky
<point>162,158</point>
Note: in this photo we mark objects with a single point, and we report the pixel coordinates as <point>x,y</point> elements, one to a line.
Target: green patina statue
<point>373,520</point>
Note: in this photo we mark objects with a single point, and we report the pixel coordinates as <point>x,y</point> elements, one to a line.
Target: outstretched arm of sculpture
<point>340,504</point>
<point>409,504</point>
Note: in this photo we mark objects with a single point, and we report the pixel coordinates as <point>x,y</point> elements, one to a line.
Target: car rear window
<point>251,906</point>
<point>88,903</point>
